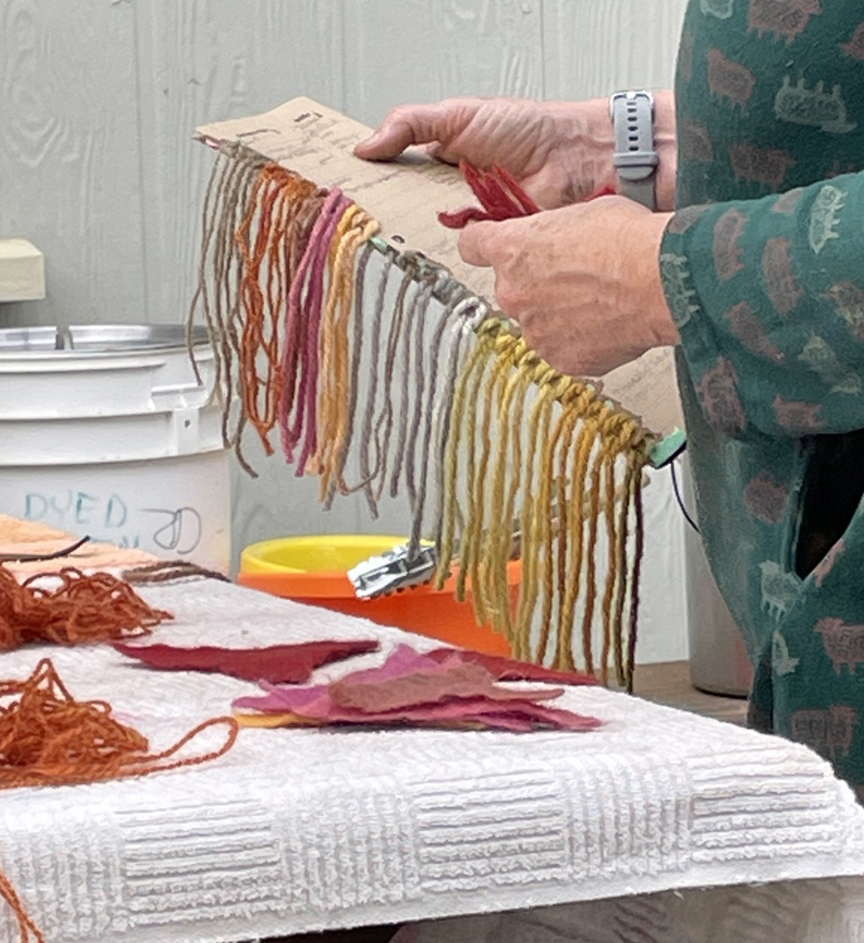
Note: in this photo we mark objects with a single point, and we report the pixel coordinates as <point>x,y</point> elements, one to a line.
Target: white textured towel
<point>297,830</point>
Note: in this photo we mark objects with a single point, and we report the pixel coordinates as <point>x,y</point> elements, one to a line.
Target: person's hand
<point>583,282</point>
<point>560,152</point>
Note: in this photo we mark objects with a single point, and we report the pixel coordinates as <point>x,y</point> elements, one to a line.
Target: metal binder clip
<point>393,571</point>
<point>396,570</point>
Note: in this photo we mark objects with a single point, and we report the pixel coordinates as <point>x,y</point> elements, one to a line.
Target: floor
<point>669,683</point>
<point>666,683</point>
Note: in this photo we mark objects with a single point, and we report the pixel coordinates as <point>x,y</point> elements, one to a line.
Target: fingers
<point>403,127</point>
<point>437,151</point>
<point>476,242</point>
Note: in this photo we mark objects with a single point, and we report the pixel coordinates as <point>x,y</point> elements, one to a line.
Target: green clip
<point>667,449</point>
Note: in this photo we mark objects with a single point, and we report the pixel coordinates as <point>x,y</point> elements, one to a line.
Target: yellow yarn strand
<point>581,456</point>
<point>610,637</point>
<point>467,391</point>
<point>533,514</point>
<point>546,529</point>
<point>508,461</point>
<point>567,537</point>
<point>476,537</point>
<point>328,392</point>
<point>621,536</point>
<point>353,231</point>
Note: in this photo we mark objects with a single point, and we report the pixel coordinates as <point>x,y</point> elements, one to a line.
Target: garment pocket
<point>830,495</point>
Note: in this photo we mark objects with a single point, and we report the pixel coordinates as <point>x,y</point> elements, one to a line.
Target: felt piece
<point>519,714</point>
<point>413,688</point>
<point>277,664</point>
<point>428,686</point>
<point>509,669</point>
<point>401,661</point>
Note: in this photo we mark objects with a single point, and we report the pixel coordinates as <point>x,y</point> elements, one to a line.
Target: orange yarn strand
<point>49,738</point>
<point>83,608</point>
<point>26,928</point>
<point>273,203</point>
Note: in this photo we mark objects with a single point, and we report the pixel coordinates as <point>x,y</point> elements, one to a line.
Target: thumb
<point>403,127</point>
<point>475,243</point>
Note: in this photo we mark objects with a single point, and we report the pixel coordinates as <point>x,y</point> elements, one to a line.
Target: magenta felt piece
<point>278,664</point>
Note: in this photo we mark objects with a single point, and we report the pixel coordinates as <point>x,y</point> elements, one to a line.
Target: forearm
<point>768,296</point>
<point>666,141</point>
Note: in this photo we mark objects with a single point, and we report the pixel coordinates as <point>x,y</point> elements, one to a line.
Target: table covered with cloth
<point>297,830</point>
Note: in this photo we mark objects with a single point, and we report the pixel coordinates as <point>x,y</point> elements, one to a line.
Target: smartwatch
<point>635,158</point>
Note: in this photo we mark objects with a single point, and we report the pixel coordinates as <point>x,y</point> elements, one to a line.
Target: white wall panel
<point>425,50</point>
<point>69,155</point>
<point>205,60</point>
<point>593,47</point>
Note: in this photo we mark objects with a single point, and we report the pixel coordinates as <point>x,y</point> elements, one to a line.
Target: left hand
<point>582,282</point>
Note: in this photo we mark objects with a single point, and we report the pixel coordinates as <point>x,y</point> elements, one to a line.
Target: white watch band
<point>635,158</point>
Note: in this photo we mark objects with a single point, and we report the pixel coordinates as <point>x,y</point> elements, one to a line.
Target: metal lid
<point>98,338</point>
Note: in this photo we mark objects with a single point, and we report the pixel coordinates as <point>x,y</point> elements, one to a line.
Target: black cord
<point>677,490</point>
<point>40,557</point>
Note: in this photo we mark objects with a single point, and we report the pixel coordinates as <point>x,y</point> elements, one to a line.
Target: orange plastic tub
<point>312,570</point>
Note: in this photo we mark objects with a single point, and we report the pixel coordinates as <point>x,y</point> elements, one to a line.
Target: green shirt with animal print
<point>763,267</point>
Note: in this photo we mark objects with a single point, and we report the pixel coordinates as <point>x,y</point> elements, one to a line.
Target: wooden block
<point>22,271</point>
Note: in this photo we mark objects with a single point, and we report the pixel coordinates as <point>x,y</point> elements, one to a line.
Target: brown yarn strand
<point>171,571</point>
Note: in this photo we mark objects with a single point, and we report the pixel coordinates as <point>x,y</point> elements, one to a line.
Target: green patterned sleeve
<point>768,297</point>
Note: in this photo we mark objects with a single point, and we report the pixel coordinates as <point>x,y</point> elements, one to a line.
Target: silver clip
<point>393,571</point>
<point>396,570</point>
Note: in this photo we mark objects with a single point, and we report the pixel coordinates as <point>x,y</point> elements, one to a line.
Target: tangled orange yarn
<point>83,608</point>
<point>47,737</point>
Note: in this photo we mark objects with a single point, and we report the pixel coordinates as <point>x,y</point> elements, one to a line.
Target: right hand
<point>561,153</point>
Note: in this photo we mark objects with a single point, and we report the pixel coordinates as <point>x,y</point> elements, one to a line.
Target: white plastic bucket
<point>105,432</point>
